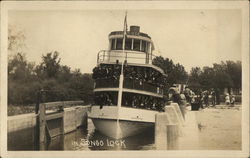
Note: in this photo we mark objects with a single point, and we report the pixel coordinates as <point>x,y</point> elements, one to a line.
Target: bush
<point>25,80</point>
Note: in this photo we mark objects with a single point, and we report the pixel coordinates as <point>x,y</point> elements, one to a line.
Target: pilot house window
<point>130,44</point>
<point>143,46</point>
<point>136,45</point>
<point>119,44</point>
<point>113,44</point>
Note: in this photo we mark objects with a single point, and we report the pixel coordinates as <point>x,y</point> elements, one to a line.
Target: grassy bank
<point>20,109</point>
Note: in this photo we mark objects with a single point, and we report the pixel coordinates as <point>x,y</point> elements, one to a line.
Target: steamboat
<point>128,90</point>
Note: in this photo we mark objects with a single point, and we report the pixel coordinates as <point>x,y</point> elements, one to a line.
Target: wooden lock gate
<point>51,122</point>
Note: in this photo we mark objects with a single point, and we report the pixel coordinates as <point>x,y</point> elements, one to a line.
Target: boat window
<point>143,46</point>
<point>147,47</point>
<point>128,44</point>
<point>136,45</point>
<point>119,44</point>
<point>113,44</point>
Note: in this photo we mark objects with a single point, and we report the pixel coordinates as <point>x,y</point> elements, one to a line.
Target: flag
<point>124,31</point>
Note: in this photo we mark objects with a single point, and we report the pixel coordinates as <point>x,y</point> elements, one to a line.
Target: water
<point>85,139</point>
<point>201,136</point>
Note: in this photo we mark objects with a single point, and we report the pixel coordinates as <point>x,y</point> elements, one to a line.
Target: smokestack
<point>135,29</point>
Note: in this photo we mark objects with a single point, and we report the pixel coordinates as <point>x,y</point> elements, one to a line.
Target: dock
<point>173,132</point>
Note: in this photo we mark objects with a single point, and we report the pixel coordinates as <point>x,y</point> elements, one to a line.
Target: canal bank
<point>22,128</point>
<point>212,128</point>
<point>212,131</point>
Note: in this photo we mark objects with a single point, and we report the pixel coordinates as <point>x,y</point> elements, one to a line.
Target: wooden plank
<point>44,131</point>
<point>55,127</point>
<point>62,103</point>
<point>49,136</point>
<point>52,116</point>
<point>62,124</point>
<point>42,123</point>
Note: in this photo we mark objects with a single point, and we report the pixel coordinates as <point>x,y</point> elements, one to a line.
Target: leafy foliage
<point>219,76</point>
<point>176,72</point>
<point>224,75</point>
<point>25,79</point>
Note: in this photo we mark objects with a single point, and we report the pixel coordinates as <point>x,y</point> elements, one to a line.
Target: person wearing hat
<point>232,100</point>
<point>176,97</point>
<point>227,99</point>
<point>187,94</point>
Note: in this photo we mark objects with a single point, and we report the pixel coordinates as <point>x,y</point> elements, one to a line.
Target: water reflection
<point>85,139</point>
<point>137,142</point>
<point>91,139</point>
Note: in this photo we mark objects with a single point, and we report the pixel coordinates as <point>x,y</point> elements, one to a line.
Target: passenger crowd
<point>143,101</point>
<point>142,74</point>
<point>129,100</point>
<point>201,98</point>
<point>107,71</point>
<point>133,73</point>
<point>105,98</point>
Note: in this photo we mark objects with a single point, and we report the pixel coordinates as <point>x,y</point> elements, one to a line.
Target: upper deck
<point>126,68</point>
<point>136,48</point>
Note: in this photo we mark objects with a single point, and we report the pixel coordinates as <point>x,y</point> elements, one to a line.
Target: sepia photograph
<point>169,78</point>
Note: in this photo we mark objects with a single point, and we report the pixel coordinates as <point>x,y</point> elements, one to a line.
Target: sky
<point>189,37</point>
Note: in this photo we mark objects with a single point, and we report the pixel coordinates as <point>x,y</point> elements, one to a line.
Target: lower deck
<point>122,113</point>
<point>120,122</point>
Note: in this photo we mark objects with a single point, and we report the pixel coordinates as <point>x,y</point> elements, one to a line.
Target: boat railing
<point>106,83</point>
<point>141,85</point>
<point>129,84</point>
<point>130,56</point>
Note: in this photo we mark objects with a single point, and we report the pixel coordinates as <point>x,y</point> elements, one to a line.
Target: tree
<point>176,73</point>
<point>206,78</point>
<point>224,75</point>
<point>83,85</point>
<point>16,40</point>
<point>22,81</point>
<point>234,70</point>
<point>179,73</point>
<point>166,64</point>
<point>50,65</point>
<point>64,74</point>
<point>194,78</point>
<point>222,78</point>
<point>19,69</point>
<point>59,82</point>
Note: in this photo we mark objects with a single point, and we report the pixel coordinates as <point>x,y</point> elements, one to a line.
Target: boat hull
<point>120,128</point>
<point>122,122</point>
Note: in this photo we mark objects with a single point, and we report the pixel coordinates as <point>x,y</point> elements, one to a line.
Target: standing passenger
<point>213,97</point>
<point>227,99</point>
<point>232,100</point>
<point>187,94</point>
<point>206,98</point>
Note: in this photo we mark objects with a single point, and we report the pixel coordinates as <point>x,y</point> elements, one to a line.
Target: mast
<point>123,51</point>
<point>121,79</point>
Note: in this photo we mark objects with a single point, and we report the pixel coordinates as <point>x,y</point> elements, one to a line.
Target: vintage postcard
<point>124,79</point>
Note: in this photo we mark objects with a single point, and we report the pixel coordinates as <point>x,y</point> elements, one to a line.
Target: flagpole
<point>123,52</point>
<point>121,78</point>
<point>124,35</point>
